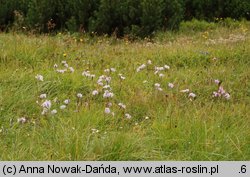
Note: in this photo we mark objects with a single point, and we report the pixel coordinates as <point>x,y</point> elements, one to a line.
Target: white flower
<point>66,101</point>
<point>108,79</point>
<point>63,106</point>
<point>94,130</point>
<point>71,69</point>
<point>86,73</point>
<point>42,96</point>
<point>22,120</point>
<point>61,71</point>
<point>55,65</point>
<point>159,68</point>
<point>112,69</point>
<point>128,116</point>
<point>123,106</point>
<point>149,62</point>
<point>106,86</point>
<point>192,95</point>
<point>66,65</point>
<point>92,76</point>
<point>159,89</point>
<point>79,95</point>
<point>39,77</point>
<point>157,85</point>
<point>146,117</point>
<point>185,91</point>
<point>161,75</point>
<point>122,77</point>
<point>95,92</point>
<point>216,81</point>
<point>166,67</point>
<point>102,77</point>
<point>46,104</point>
<point>107,110</point>
<point>99,82</point>
<point>227,96</point>
<point>64,62</point>
<point>106,70</point>
<point>171,85</point>
<point>54,111</point>
<point>141,67</point>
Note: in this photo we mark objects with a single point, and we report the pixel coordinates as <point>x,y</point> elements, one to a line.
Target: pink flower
<point>221,90</point>
<point>216,81</point>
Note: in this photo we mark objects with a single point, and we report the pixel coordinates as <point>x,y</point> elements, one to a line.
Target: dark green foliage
<point>209,9</point>
<point>152,15</point>
<point>7,9</point>
<point>117,17</point>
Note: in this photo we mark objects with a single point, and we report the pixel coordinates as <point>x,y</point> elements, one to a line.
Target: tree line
<point>119,17</point>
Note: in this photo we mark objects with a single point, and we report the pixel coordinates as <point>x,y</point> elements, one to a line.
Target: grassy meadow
<point>76,97</point>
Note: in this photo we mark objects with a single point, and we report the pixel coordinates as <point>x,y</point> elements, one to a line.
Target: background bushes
<point>118,17</point>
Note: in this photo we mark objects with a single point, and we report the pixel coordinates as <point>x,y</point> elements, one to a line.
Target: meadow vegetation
<point>178,96</point>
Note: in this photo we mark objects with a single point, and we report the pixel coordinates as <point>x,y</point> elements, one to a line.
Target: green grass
<point>176,129</point>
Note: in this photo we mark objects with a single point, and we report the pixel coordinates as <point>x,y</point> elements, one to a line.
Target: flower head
<point>42,96</point>
<point>227,96</point>
<point>216,81</point>
<point>79,95</point>
<point>192,95</point>
<point>161,75</point>
<point>166,67</point>
<point>39,77</point>
<point>61,71</point>
<point>107,110</point>
<point>66,65</point>
<point>95,92</point>
<point>221,90</point>
<point>22,120</point>
<point>121,105</point>
<point>157,85</point>
<point>108,94</point>
<point>140,68</point>
<point>66,101</point>
<point>54,111</point>
<point>185,91</point>
<point>106,70</point>
<point>128,116</point>
<point>71,69</point>
<point>63,106</point>
<point>46,104</point>
<point>171,85</point>
<point>86,73</point>
<point>216,94</point>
